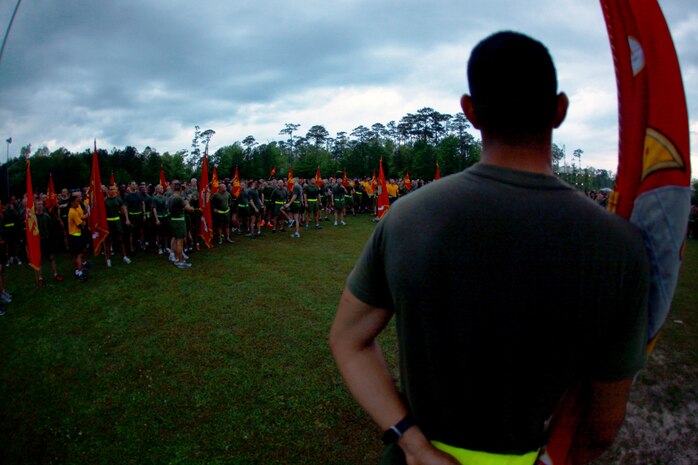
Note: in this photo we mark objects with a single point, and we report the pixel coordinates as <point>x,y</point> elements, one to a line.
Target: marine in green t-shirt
<point>116,211</point>
<point>312,203</point>
<point>220,207</point>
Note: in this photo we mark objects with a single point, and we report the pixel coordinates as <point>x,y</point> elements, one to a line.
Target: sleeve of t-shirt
<point>620,350</point>
<point>368,281</point>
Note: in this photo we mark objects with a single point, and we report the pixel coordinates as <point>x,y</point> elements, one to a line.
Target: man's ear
<point>563,104</point>
<point>466,103</point>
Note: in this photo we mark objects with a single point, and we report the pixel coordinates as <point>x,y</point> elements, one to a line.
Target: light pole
<point>7,169</point>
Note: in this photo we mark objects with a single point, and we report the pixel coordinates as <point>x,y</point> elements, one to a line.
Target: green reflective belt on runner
<point>223,212</point>
<point>348,196</point>
<point>177,218</point>
<point>312,200</point>
<point>76,234</point>
<point>243,205</point>
<point>486,458</point>
<point>113,218</point>
<point>165,215</point>
<point>279,203</point>
<point>135,213</point>
<point>9,225</point>
<point>296,201</point>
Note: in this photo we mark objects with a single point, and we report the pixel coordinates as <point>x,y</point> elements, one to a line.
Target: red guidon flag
<point>98,211</point>
<point>33,239</point>
<point>408,182</point>
<point>318,178</point>
<point>236,184</point>
<point>345,181</point>
<point>652,186</point>
<point>111,180</point>
<point>51,197</point>
<point>163,179</point>
<point>273,172</point>
<point>205,231</point>
<point>374,183</point>
<point>653,182</point>
<point>437,175</point>
<point>289,180</point>
<point>214,181</point>
<point>383,202</point>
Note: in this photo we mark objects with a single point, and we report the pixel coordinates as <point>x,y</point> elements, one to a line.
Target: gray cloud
<point>128,71</point>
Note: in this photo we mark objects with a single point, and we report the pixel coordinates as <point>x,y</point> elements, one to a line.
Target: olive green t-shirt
<point>112,206</point>
<point>176,206</point>
<point>312,191</point>
<point>514,285</point>
<point>220,201</point>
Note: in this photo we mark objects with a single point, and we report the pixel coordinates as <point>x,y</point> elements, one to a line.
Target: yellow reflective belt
<point>312,200</point>
<point>296,201</point>
<point>135,213</point>
<point>177,218</point>
<point>113,218</point>
<point>223,212</point>
<point>76,234</point>
<point>279,203</point>
<point>466,456</point>
<point>8,225</point>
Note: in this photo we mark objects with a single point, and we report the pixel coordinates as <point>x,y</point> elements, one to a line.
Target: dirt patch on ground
<point>661,426</point>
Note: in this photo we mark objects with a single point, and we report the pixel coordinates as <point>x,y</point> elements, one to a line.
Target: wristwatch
<point>396,431</point>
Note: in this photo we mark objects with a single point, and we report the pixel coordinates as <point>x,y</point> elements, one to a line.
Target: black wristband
<point>396,431</point>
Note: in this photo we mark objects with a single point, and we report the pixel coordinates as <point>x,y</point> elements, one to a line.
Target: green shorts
<point>338,204</point>
<point>221,219</point>
<point>179,227</point>
<point>312,206</point>
<point>115,228</point>
<point>277,209</point>
<point>296,207</point>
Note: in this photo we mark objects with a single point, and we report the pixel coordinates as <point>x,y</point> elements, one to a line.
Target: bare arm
<point>603,405</point>
<point>361,363</point>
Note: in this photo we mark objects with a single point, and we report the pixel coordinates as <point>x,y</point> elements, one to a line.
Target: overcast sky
<point>143,73</point>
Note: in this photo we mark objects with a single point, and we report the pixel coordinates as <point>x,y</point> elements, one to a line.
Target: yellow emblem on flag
<point>31,223</point>
<point>659,154</point>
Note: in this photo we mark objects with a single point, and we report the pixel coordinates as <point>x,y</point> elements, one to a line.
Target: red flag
<point>273,172</point>
<point>33,240</point>
<point>289,180</point>
<point>374,184</point>
<point>383,202</point>
<point>98,212</point>
<point>408,182</point>
<point>236,184</point>
<point>111,180</point>
<point>654,170</point>
<point>163,179</point>
<point>51,197</point>
<point>437,176</point>
<point>652,186</point>
<point>653,119</point>
<point>214,181</point>
<point>205,231</point>
<point>318,178</point>
<point>345,181</point>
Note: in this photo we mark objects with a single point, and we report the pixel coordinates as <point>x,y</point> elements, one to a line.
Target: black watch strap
<point>396,431</point>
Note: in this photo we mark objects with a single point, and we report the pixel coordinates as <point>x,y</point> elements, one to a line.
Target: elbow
<point>334,342</point>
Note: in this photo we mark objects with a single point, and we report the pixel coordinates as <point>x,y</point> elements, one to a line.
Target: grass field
<point>227,363</point>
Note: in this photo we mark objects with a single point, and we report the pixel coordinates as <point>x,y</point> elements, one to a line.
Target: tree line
<point>415,143</point>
